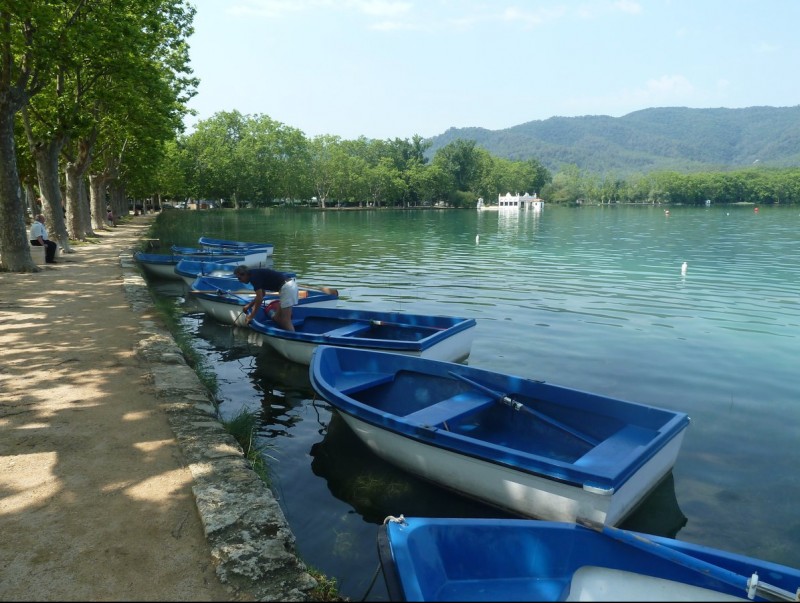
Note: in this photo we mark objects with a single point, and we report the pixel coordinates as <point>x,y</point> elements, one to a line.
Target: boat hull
<point>528,447</point>
<point>514,491</point>
<point>447,559</point>
<point>434,337</point>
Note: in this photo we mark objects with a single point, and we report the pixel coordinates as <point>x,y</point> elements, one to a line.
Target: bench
<point>38,254</point>
<point>347,330</point>
<point>350,383</point>
<point>450,408</point>
<point>613,451</point>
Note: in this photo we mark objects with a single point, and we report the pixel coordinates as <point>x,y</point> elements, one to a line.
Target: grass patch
<point>243,428</point>
<point>327,589</point>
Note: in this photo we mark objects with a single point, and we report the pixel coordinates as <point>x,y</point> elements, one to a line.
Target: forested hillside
<point>671,138</point>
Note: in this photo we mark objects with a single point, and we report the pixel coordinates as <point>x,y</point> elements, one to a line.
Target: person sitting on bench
<point>39,238</point>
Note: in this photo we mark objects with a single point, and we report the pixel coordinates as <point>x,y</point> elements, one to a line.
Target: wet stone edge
<point>252,546</point>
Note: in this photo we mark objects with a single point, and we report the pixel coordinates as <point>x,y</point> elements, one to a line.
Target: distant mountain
<point>668,138</point>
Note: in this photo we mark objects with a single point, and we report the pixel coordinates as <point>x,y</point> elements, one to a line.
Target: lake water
<point>593,298</point>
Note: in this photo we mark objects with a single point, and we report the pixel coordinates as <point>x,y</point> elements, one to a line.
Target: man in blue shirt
<point>263,280</point>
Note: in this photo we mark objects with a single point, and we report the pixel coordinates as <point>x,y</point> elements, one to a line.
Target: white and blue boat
<point>190,269</point>
<point>162,265</point>
<point>457,559</point>
<point>530,448</point>
<point>224,298</point>
<point>254,257</point>
<point>439,337</point>
<point>228,246</point>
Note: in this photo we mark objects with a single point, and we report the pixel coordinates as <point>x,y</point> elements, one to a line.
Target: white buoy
<point>477,238</point>
<point>684,266</point>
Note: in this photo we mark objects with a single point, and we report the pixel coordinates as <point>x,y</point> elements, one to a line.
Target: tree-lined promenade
<point>93,97</point>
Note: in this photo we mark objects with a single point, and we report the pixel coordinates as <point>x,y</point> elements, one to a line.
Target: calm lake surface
<point>592,298</point>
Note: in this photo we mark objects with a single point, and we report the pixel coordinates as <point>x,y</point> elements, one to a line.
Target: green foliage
<point>327,589</point>
<point>751,185</point>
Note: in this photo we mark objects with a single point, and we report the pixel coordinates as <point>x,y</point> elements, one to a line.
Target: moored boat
<point>456,559</point>
<point>162,265</point>
<point>528,447</point>
<point>189,269</point>
<point>440,337</point>
<point>228,245</point>
<point>224,298</point>
<point>256,257</point>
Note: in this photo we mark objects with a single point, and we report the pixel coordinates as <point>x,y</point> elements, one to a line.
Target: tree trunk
<point>14,244</point>
<point>77,203</point>
<point>30,200</point>
<point>46,156</point>
<point>118,200</point>
<point>97,200</point>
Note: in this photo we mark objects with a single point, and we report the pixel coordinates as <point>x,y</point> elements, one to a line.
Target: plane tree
<point>60,67</point>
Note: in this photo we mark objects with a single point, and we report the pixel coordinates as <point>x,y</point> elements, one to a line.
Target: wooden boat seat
<point>450,408</point>
<point>612,451</point>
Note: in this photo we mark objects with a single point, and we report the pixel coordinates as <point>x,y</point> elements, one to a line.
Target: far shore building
<point>520,202</point>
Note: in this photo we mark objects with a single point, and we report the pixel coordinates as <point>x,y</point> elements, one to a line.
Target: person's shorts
<point>289,294</point>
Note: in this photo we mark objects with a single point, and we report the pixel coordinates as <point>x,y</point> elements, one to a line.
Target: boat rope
<point>394,519</point>
<point>372,582</point>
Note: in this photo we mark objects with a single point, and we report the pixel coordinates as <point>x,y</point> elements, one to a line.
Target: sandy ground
<point>95,499</point>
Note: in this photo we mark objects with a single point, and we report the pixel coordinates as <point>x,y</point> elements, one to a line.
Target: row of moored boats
<point>578,462</point>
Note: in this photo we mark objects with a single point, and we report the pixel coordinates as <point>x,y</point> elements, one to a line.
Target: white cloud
<point>526,18</point>
<point>266,8</point>
<point>381,8</point>
<point>766,48</point>
<point>668,85</point>
<point>628,6</point>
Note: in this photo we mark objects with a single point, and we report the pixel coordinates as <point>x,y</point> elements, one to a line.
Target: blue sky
<point>390,69</point>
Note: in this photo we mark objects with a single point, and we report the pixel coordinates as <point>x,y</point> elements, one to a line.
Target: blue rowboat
<point>189,269</point>
<point>441,337</point>
<point>162,265</point>
<point>224,298</point>
<point>228,245</point>
<point>256,257</point>
<point>432,559</point>
<point>530,448</point>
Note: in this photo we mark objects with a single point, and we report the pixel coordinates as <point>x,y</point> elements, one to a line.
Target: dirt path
<point>96,501</point>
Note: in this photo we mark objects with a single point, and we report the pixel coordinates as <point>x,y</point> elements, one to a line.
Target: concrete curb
<point>251,544</point>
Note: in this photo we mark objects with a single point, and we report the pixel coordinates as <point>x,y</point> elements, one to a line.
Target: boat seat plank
<point>608,454</point>
<point>450,408</point>
<point>347,330</point>
<point>351,382</point>
<point>592,583</point>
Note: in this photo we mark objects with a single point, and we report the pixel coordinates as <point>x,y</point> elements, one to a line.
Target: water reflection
<point>283,386</point>
<point>376,489</point>
<point>659,513</point>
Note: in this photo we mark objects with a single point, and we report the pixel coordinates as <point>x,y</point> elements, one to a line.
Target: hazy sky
<point>395,68</point>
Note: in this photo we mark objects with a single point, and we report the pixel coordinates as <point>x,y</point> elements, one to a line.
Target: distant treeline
<point>753,185</point>
<point>255,161</point>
